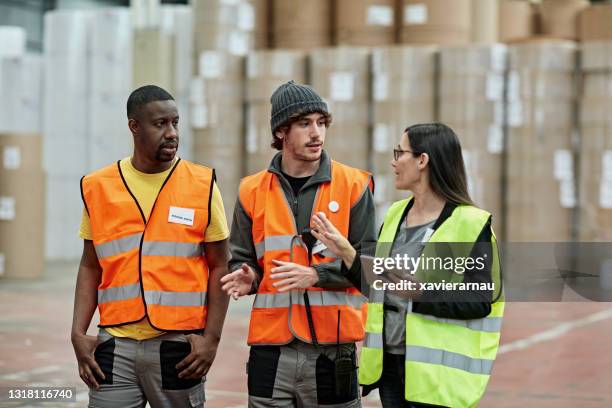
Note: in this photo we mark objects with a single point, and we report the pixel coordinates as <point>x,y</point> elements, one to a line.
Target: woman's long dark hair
<point>446,168</point>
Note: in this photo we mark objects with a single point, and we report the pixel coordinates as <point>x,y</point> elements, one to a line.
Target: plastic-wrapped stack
<point>341,76</point>
<point>301,24</point>
<point>541,191</point>
<point>235,26</point>
<point>110,85</point>
<point>403,85</point>
<point>595,160</point>
<point>472,85</point>
<point>217,119</point>
<point>364,22</point>
<point>266,70</point>
<point>66,114</point>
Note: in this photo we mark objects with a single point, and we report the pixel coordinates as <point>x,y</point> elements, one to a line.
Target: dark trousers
<point>392,383</point>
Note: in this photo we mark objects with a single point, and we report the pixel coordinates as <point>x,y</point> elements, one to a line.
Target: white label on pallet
<point>495,139</point>
<point>567,194</point>
<point>515,113</point>
<point>2,264</point>
<point>499,53</point>
<point>377,62</point>
<point>12,157</point>
<point>380,192</point>
<point>380,15</point>
<point>514,83</point>
<point>342,86</point>
<point>7,208</point>
<point>211,65</point>
<point>564,165</point>
<point>251,139</point>
<point>238,43</point>
<point>605,194</point>
<point>495,87</point>
<point>199,116</point>
<point>246,17</point>
<point>606,165</point>
<point>415,14</point>
<point>381,87</point>
<point>380,141</point>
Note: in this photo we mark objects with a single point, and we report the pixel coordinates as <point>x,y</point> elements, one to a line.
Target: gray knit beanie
<point>290,98</point>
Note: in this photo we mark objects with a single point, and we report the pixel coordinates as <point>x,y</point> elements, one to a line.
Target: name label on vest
<point>180,215</point>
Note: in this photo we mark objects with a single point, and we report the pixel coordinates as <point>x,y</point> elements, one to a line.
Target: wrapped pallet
<point>217,120</point>
<point>266,71</point>
<point>403,83</point>
<point>22,206</point>
<point>541,185</point>
<point>595,185</point>
<point>472,86</point>
<point>341,76</point>
<point>364,22</point>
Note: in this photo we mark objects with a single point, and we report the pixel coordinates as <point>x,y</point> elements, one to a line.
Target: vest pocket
<point>170,354</point>
<point>105,357</point>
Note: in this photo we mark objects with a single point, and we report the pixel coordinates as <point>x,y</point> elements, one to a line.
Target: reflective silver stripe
<point>179,249</point>
<point>328,298</point>
<point>271,300</point>
<point>449,359</point>
<point>275,243</point>
<point>325,298</point>
<point>118,246</point>
<point>154,297</point>
<point>118,293</point>
<point>487,324</point>
<point>373,340</point>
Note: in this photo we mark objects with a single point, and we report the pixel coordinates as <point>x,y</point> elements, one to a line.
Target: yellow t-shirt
<point>145,188</point>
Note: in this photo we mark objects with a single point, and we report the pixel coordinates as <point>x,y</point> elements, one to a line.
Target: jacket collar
<point>322,175</point>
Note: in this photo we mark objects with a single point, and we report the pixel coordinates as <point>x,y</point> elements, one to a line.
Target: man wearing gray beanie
<point>307,311</point>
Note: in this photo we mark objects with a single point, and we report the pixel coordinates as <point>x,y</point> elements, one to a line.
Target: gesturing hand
<point>328,234</point>
<point>239,282</point>
<point>293,276</point>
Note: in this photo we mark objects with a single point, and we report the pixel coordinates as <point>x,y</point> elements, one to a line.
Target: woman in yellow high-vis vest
<point>434,342</point>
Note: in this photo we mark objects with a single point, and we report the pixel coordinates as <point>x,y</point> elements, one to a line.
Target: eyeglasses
<point>397,153</point>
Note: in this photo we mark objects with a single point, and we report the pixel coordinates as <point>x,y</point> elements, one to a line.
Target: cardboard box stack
<point>341,76</point>
<point>435,22</point>
<point>516,20</point>
<point>22,180</point>
<point>217,119</point>
<point>265,71</point>
<point>471,92</point>
<point>595,187</point>
<point>301,24</point>
<point>541,191</point>
<point>594,23</point>
<point>228,25</point>
<point>560,18</point>
<point>22,206</point>
<point>364,22</point>
<point>403,87</point>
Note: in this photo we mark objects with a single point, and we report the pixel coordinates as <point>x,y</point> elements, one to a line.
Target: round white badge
<point>333,206</point>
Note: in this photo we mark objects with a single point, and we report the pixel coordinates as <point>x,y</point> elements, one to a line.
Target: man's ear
<point>134,126</point>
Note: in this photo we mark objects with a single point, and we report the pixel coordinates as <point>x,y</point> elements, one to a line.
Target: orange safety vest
<point>153,268</point>
<point>278,318</point>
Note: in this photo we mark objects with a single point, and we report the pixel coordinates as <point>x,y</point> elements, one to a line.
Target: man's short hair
<point>296,117</point>
<point>143,95</point>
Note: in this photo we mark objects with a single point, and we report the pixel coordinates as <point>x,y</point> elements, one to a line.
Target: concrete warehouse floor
<point>552,354</point>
